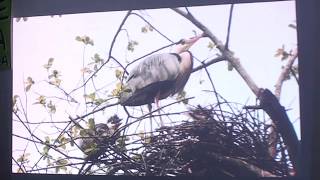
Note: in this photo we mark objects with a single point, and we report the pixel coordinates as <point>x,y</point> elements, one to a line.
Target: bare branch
<point>277,114</point>
<point>97,110</point>
<point>240,164</point>
<point>225,52</point>
<point>285,73</point>
<point>110,52</point>
<point>212,61</point>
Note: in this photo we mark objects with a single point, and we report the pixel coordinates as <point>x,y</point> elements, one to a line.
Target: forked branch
<point>225,52</point>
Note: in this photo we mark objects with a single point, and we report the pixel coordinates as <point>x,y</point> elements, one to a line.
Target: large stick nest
<point>215,143</point>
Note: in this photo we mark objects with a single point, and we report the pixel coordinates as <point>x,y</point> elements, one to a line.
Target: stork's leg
<point>150,108</point>
<point>156,100</point>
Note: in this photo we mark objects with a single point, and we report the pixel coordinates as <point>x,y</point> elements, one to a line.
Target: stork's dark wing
<point>157,72</point>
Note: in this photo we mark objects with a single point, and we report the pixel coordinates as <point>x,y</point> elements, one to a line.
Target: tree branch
<point>285,73</point>
<point>110,52</point>
<point>269,102</point>
<point>225,52</point>
<point>277,113</point>
<point>212,61</point>
<point>234,163</point>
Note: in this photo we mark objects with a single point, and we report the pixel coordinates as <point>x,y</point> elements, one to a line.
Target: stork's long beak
<point>187,43</point>
<point>194,39</point>
<point>191,41</point>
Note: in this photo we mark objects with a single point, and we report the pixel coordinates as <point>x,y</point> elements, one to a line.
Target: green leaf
<point>14,100</point>
<point>211,45</point>
<point>99,101</point>
<point>50,61</point>
<point>147,139</point>
<point>293,26</point>
<point>41,100</point>
<point>63,168</point>
<point>131,45</point>
<point>83,132</point>
<point>23,158</point>
<point>137,157</point>
<point>95,67</point>
<point>279,52</point>
<point>91,96</point>
<point>55,73</point>
<point>86,132</point>
<point>62,139</point>
<point>49,64</point>
<point>20,159</point>
<point>91,42</point>
<point>45,150</point>
<point>75,130</point>
<point>119,74</point>
<point>56,82</point>
<point>86,70</point>
<point>51,107</point>
<point>49,163</point>
<point>85,39</point>
<point>141,134</point>
<point>116,92</point>
<point>282,53</point>
<point>63,146</point>
<point>181,96</point>
<point>285,55</point>
<point>144,29</point>
<point>62,162</point>
<point>97,59</point>
<point>29,83</point>
<point>91,124</point>
<point>92,149</point>
<point>78,38</point>
<point>47,139</point>
<point>20,170</point>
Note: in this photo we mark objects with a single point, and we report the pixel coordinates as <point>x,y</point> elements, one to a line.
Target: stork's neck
<point>186,61</point>
<point>181,48</point>
<point>178,50</point>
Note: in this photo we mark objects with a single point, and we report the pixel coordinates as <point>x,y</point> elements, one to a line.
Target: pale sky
<point>257,31</point>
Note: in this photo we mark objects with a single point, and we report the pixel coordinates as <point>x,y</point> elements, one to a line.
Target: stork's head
<point>185,44</point>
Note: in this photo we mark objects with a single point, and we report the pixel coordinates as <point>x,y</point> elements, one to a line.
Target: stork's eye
<point>182,41</point>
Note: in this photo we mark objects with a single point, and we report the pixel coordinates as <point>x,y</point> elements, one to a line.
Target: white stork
<point>159,76</point>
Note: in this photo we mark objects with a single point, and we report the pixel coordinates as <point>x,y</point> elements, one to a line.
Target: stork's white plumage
<point>159,76</point>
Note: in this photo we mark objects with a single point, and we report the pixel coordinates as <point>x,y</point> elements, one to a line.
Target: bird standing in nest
<point>159,76</point>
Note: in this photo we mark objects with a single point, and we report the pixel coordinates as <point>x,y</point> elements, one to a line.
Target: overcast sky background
<point>257,31</point>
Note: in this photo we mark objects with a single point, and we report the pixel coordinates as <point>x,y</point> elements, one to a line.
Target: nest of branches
<point>213,143</point>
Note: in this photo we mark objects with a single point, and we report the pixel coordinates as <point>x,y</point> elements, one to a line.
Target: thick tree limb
<point>277,113</point>
<point>246,167</point>
<point>278,86</point>
<point>269,102</point>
